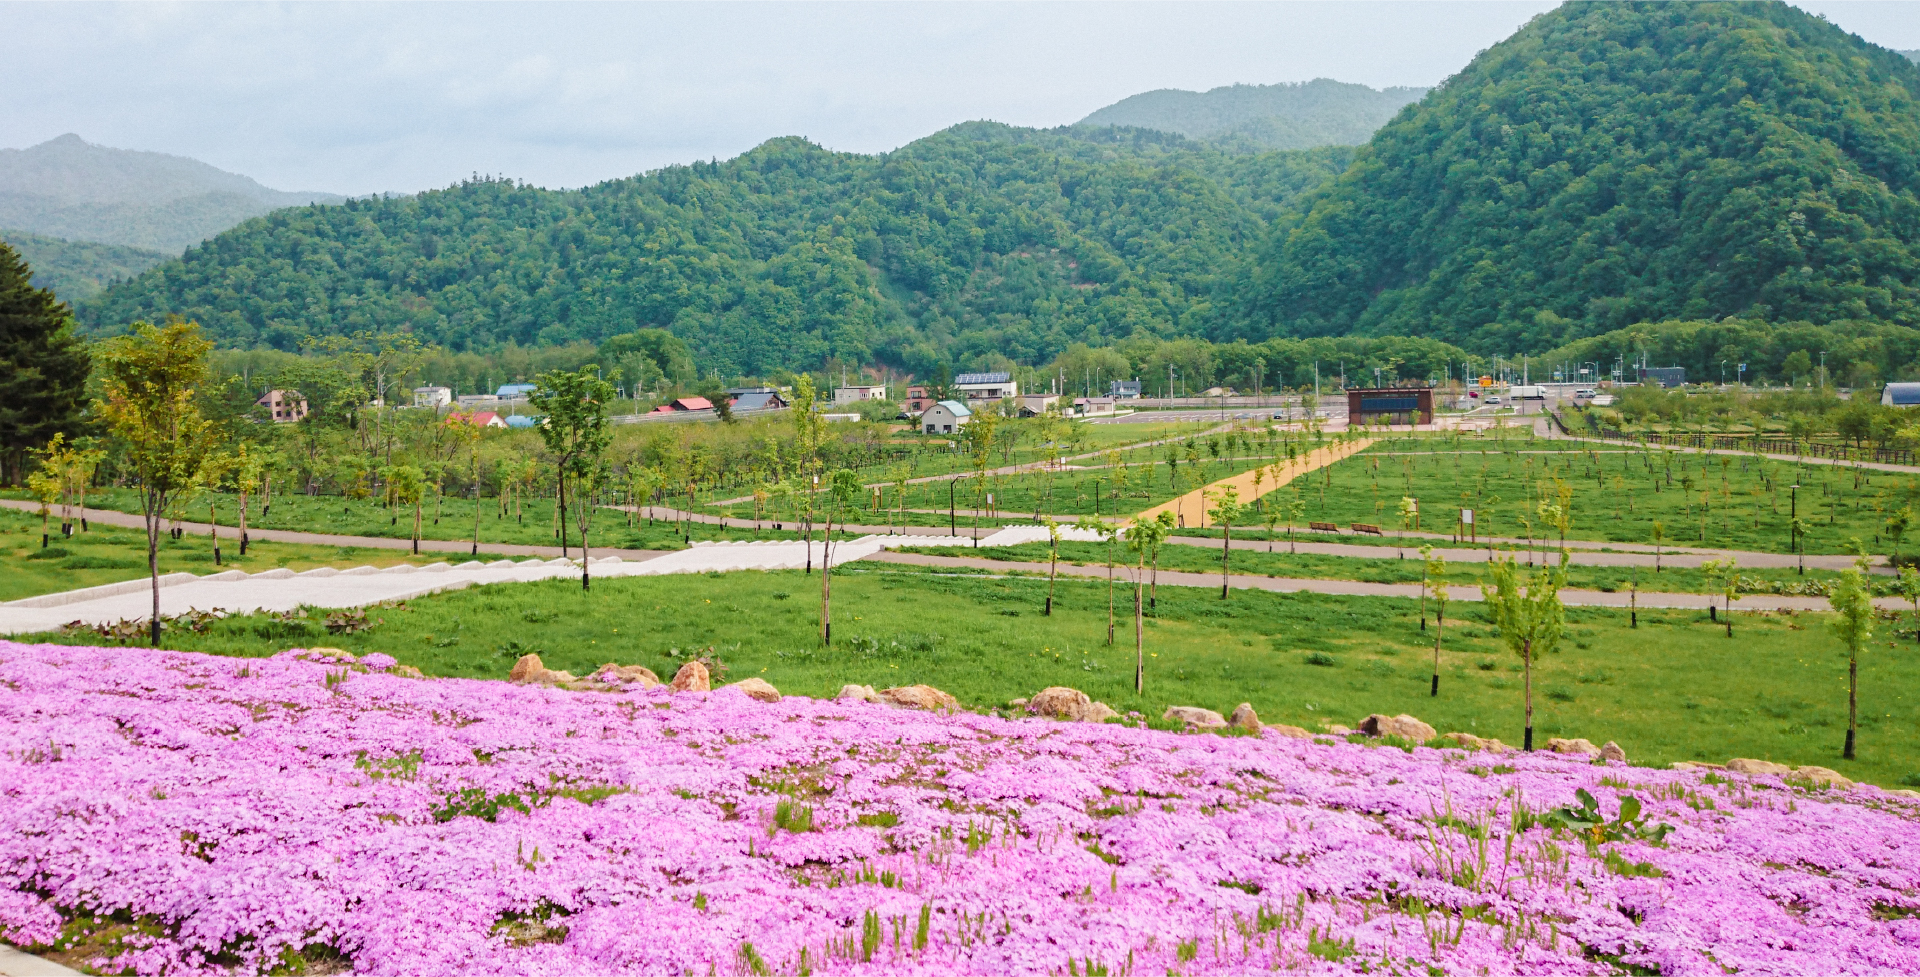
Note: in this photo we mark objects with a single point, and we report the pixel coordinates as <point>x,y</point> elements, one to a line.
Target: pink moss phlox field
<point>243,808</point>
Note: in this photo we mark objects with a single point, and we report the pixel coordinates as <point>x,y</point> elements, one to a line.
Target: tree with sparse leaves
<point>150,387</point>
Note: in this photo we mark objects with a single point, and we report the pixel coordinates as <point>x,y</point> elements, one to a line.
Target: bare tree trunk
<point>1139,630</point>
<point>1526,660</point>
<point>153,514</point>
<point>1439,631</point>
<point>1853,688</point>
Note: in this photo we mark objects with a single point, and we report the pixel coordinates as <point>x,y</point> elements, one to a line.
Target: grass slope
<point>1674,689</point>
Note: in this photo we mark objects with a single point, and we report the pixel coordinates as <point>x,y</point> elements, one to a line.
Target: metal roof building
<point>1900,395</point>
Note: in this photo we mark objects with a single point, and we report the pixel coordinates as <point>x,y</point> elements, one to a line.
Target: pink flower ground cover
<point>240,810</point>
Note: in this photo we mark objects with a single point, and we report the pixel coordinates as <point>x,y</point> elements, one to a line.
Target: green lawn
<point>1617,494</point>
<point>1674,689</point>
<point>106,554</point>
<point>532,524</point>
<point>1387,568</point>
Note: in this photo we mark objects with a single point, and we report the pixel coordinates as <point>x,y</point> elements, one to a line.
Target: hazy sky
<point>363,97</point>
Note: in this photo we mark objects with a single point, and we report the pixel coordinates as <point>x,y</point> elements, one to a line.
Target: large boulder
<point>406,671</point>
<point>858,693</point>
<point>1060,702</point>
<point>1243,717</point>
<point>1194,716</point>
<point>612,674</point>
<point>1290,732</point>
<point>1099,712</point>
<point>1697,765</point>
<point>1404,726</point>
<point>1756,767</point>
<point>1468,741</point>
<point>527,669</point>
<point>1612,753</point>
<point>920,697</point>
<point>1573,747</point>
<point>757,689</point>
<point>692,677</point>
<point>1821,775</point>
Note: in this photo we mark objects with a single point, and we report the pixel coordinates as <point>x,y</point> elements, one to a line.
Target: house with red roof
<point>682,405</point>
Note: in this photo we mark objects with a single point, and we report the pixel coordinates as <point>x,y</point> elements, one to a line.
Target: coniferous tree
<point>43,365</point>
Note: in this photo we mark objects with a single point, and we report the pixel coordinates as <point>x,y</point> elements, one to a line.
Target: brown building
<point>1390,405</point>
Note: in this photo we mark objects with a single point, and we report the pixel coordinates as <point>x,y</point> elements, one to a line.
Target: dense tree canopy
<point>1620,163</point>
<point>984,240</point>
<point>43,365</point>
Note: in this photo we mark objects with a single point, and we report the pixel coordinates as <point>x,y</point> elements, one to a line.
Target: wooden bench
<point>1361,527</point>
<point>1323,527</point>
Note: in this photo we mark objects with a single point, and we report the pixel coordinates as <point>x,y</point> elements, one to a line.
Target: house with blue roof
<point>945,417</point>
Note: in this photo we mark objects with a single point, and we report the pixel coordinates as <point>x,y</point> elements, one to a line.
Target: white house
<point>853,395</point>
<point>977,387</point>
<point>945,417</point>
<point>434,397</point>
<point>1033,405</point>
<point>1089,406</point>
<point>287,406</point>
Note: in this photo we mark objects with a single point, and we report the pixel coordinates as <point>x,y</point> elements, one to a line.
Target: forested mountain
<point>69,188</point>
<point>1912,55</point>
<point>78,270</point>
<point>1619,163</point>
<point>1322,112</point>
<point>983,243</point>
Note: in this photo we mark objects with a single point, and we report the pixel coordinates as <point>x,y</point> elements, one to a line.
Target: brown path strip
<point>1191,508</point>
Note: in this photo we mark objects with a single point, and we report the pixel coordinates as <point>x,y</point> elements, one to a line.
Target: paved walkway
<point>281,590</point>
<point>15,963</point>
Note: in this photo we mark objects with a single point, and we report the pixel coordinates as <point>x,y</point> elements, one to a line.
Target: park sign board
<point>1391,405</point>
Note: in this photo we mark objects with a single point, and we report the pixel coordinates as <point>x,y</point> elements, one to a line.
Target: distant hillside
<point>1912,55</point>
<point>69,188</point>
<point>981,241</point>
<point>78,270</point>
<point>1321,112</point>
<point>1612,164</point>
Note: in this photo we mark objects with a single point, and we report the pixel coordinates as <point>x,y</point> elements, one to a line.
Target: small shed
<point>945,417</point>
<point>758,400</point>
<point>1900,395</point>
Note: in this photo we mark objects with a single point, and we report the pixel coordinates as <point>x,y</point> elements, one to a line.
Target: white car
<point>1584,392</point>
<point>1492,401</point>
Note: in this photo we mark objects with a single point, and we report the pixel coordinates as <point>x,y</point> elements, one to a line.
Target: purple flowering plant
<point>241,816</point>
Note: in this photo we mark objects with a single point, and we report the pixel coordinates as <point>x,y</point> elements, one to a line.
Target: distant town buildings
<point>286,406</point>
<point>1665,376</point>
<point>1124,389</point>
<point>748,401</point>
<point>978,387</point>
<point>856,394</point>
<point>433,397</point>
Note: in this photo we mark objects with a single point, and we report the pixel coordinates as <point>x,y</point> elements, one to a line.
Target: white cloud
<point>365,97</point>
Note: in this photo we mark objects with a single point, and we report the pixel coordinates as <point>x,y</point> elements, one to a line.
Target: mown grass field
<point>531,524</point>
<point>1674,689</point>
<point>1385,568</point>
<point>105,554</point>
<point>1737,502</point>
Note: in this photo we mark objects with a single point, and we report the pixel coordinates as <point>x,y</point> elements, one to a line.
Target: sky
<point>371,97</point>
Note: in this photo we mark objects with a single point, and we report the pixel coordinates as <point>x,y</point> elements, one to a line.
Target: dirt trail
<point>1190,510</point>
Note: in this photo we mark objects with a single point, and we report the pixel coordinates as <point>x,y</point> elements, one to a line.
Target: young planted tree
<point>1908,586</point>
<point>1726,575</point>
<point>1528,613</point>
<point>808,431</point>
<point>1436,578</point>
<point>247,463</point>
<point>1227,510</point>
<point>407,486</point>
<point>577,430</point>
<point>1053,557</point>
<point>1109,532</point>
<point>1852,601</point>
<point>466,434</point>
<point>1659,532</point>
<point>45,483</point>
<point>843,486</point>
<point>1144,537</point>
<point>150,386</point>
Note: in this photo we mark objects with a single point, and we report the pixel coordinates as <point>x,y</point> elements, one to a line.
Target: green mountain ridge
<point>1620,163</point>
<point>70,188</point>
<point>1305,115</point>
<point>980,242</point>
<point>78,270</point>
